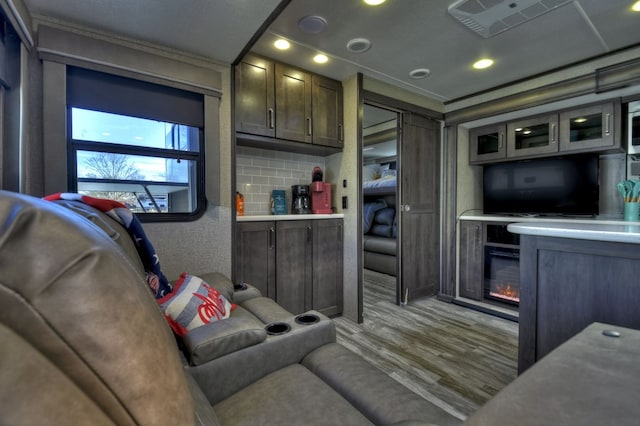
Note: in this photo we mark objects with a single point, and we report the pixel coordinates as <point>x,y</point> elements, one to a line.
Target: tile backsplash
<point>259,171</point>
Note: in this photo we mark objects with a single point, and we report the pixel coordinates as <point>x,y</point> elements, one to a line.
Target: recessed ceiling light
<point>320,58</point>
<point>483,63</point>
<point>312,24</point>
<point>420,73</point>
<point>282,44</point>
<point>374,2</point>
<point>359,45</point>
<point>636,6</point>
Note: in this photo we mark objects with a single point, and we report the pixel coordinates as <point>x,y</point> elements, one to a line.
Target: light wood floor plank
<point>455,357</point>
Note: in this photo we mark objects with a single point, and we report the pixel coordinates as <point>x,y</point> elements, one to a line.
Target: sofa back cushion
<point>78,301</point>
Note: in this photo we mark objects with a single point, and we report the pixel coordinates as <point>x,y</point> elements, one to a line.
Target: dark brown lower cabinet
<point>566,284</point>
<point>298,263</point>
<point>471,259</point>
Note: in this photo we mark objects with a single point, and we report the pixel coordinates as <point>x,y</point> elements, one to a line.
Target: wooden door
<point>293,104</point>
<point>327,112</point>
<point>419,247</point>
<point>293,263</point>
<point>255,256</point>
<point>255,102</point>
<point>327,266</point>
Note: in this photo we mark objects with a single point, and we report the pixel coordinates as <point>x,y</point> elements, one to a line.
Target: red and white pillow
<point>193,303</point>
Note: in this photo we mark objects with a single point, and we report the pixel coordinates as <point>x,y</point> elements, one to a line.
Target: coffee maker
<point>320,193</point>
<point>300,199</point>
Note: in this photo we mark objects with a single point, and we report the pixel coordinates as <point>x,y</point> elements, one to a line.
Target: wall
<point>198,246</point>
<point>345,167</point>
<point>259,171</point>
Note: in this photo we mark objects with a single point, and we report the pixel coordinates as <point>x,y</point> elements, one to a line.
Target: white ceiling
<point>214,29</point>
<point>405,34</point>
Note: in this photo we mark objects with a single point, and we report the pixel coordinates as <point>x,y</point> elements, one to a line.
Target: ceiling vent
<point>491,17</point>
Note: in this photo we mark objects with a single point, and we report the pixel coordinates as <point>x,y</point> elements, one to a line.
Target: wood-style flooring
<point>453,356</point>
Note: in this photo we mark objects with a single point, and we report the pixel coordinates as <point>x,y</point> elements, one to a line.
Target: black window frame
<point>75,145</point>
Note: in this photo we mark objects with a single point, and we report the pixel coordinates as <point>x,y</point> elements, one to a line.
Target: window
<point>136,142</point>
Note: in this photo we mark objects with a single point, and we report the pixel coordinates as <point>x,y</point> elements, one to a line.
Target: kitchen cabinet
<point>487,143</point>
<point>327,266</point>
<point>294,257</point>
<point>298,263</point>
<point>327,116</point>
<point>255,97</point>
<point>293,104</point>
<point>287,105</point>
<point>255,256</point>
<point>533,136</point>
<point>591,128</point>
<point>471,259</point>
<point>566,284</point>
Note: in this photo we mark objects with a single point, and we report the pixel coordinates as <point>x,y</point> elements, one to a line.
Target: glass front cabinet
<point>588,128</point>
<point>487,143</point>
<point>532,136</point>
<point>585,129</point>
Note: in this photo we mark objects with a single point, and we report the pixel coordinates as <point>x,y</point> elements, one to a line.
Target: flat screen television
<point>549,186</point>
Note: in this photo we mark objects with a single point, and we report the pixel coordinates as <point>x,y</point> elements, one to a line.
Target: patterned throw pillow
<point>193,303</point>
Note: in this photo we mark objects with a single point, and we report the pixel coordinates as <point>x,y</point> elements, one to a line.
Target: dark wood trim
<point>263,28</point>
<point>265,142</point>
<point>448,213</point>
<point>377,98</point>
<point>359,137</point>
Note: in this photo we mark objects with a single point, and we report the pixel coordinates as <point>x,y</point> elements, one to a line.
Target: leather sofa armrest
<point>222,337</point>
<point>242,295</point>
<point>227,375</point>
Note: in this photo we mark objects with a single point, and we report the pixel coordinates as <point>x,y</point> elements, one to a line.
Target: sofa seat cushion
<point>379,397</point>
<point>289,396</point>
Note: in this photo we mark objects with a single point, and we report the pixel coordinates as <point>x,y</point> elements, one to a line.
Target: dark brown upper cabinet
<point>278,106</point>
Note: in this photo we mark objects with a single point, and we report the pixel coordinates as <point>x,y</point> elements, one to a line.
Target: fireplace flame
<point>506,291</point>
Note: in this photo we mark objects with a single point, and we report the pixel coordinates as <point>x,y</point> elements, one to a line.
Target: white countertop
<point>269,217</point>
<point>596,231</point>
<point>547,219</point>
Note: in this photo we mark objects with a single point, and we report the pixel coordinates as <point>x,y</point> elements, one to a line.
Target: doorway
<point>406,211</point>
<point>380,130</point>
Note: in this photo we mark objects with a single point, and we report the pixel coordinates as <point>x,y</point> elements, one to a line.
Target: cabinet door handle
<point>271,119</point>
<point>500,140</point>
<point>340,132</point>
<point>553,133</point>
<point>607,124</point>
<point>272,235</point>
<point>309,126</point>
<point>309,234</point>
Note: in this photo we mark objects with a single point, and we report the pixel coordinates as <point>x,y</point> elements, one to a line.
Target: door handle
<point>272,235</point>
<point>271,119</point>
<point>607,124</point>
<point>309,126</point>
<point>405,207</point>
<point>553,133</point>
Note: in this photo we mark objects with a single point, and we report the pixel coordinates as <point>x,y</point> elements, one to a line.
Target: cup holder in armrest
<point>277,328</point>
<point>307,319</point>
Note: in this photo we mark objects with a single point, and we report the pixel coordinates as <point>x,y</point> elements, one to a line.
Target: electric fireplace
<point>502,274</point>
<point>501,265</point>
